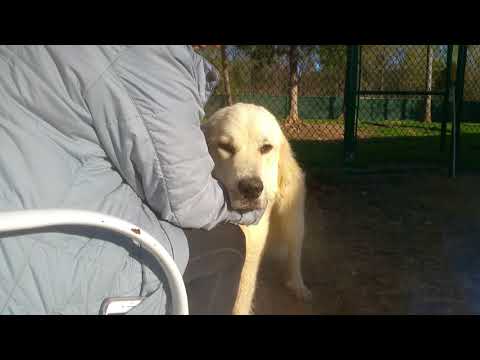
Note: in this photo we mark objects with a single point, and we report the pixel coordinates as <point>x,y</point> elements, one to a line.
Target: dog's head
<point>246,143</point>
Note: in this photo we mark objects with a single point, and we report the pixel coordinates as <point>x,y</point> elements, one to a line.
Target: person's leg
<point>213,272</point>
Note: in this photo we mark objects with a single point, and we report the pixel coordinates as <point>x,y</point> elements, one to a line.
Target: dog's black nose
<point>251,187</point>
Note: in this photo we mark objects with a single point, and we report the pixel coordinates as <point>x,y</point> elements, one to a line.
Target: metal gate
<point>468,108</point>
<point>403,121</point>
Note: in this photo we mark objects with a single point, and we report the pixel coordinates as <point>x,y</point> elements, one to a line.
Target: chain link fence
<point>470,122</point>
<point>304,87</point>
<point>395,123</point>
<point>301,85</point>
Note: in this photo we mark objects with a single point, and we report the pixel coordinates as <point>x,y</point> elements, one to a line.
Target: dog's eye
<point>227,147</point>
<point>266,148</point>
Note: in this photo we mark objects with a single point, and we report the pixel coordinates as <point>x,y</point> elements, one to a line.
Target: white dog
<point>254,161</point>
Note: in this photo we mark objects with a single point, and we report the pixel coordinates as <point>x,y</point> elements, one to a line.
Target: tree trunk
<point>428,99</point>
<point>255,75</point>
<point>383,64</point>
<point>226,77</point>
<point>293,86</point>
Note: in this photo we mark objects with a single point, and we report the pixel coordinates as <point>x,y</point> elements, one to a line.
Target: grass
<point>390,144</point>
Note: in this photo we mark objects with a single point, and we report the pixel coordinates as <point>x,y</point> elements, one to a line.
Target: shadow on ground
<point>386,245</point>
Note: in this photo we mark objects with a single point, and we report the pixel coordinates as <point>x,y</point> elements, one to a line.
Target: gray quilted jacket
<point>113,129</point>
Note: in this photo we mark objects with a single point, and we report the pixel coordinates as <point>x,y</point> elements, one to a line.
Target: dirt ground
<point>405,244</point>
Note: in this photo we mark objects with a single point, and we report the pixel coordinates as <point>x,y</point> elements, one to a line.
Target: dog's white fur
<point>236,136</point>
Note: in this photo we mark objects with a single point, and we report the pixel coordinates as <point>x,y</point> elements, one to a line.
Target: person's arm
<point>146,109</point>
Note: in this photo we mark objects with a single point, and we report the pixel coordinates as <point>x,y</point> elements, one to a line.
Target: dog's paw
<point>300,291</point>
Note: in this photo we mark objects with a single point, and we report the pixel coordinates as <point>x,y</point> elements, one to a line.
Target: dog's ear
<point>206,130</point>
<point>290,175</point>
<point>204,125</point>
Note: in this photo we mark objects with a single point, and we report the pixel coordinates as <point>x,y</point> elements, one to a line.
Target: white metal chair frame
<point>35,219</point>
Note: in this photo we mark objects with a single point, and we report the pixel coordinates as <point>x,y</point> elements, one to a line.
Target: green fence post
<point>456,93</point>
<point>351,89</point>
<point>446,99</point>
<point>459,89</point>
<point>357,95</point>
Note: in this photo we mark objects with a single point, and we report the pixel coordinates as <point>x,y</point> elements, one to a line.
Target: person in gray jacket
<point>112,129</point>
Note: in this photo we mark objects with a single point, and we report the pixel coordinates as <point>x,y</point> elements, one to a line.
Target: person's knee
<point>214,272</point>
<point>219,250</point>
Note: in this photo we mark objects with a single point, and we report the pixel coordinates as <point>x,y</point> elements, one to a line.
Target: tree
<point>266,56</point>
<point>261,58</point>
<point>380,67</point>
<point>428,87</point>
<point>226,77</point>
<point>293,58</point>
<point>333,60</point>
<point>296,55</point>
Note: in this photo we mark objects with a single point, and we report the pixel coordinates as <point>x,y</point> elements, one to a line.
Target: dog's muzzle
<point>250,188</point>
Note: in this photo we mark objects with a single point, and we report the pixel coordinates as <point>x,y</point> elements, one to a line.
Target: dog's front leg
<point>248,282</point>
<point>294,232</point>
<point>255,243</point>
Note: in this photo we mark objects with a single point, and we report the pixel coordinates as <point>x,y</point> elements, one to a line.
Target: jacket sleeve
<point>146,110</point>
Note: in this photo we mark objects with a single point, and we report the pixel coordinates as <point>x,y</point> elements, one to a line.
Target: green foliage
<point>263,70</point>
